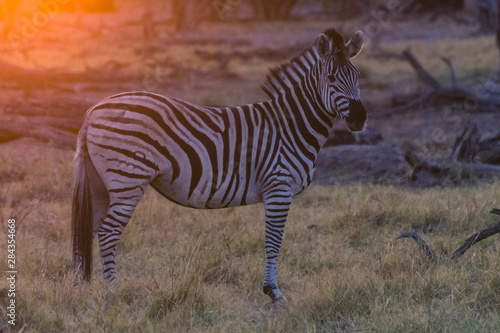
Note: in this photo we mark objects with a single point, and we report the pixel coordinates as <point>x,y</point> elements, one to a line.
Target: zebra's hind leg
<point>122,205</point>
<point>276,204</point>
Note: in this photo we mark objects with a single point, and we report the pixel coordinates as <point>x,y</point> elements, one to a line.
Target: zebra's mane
<point>284,77</point>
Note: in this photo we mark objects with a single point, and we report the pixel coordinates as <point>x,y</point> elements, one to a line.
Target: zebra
<point>212,157</point>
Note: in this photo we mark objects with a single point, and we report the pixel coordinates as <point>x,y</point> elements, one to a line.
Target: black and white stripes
<point>208,157</point>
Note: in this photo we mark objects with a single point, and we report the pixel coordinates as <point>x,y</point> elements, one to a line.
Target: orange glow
<point>22,20</point>
<point>14,8</point>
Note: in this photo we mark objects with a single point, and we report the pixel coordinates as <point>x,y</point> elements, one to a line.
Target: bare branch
<point>466,144</point>
<point>468,243</point>
<point>483,234</point>
<point>423,245</point>
<point>423,75</point>
<point>437,94</point>
<point>452,71</point>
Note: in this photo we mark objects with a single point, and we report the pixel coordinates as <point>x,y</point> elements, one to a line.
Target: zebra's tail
<point>82,218</point>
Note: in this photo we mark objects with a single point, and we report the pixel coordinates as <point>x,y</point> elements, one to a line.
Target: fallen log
<point>58,132</point>
<point>446,168</point>
<point>470,155</point>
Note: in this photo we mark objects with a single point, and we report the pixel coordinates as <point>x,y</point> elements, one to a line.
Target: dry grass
<point>194,270</point>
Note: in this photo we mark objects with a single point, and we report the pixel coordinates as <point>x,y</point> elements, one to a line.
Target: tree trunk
<point>189,13</point>
<point>269,10</point>
<point>285,9</point>
<point>185,17</point>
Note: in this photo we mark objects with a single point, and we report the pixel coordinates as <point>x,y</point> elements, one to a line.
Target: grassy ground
<point>194,270</point>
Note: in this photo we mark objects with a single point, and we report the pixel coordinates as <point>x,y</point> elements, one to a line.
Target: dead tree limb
<point>422,74</point>
<point>417,165</point>
<point>469,147</point>
<point>468,243</point>
<point>466,144</point>
<point>483,234</point>
<point>471,155</point>
<point>452,71</point>
<point>423,245</point>
<point>489,150</point>
<point>435,93</point>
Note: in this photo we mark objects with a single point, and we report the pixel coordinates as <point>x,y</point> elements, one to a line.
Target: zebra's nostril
<point>355,126</point>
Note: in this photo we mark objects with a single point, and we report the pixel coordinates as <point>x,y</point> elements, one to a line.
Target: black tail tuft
<point>82,223</point>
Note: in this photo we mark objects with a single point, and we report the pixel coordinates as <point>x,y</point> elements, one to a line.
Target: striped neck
<point>300,106</point>
<point>293,88</point>
<point>299,110</point>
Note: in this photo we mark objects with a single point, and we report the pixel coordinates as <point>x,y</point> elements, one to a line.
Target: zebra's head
<point>338,78</point>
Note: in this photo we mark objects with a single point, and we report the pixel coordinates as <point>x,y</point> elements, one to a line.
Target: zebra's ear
<point>355,44</point>
<point>324,46</point>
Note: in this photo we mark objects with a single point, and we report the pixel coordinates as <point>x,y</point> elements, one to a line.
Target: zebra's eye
<point>331,78</point>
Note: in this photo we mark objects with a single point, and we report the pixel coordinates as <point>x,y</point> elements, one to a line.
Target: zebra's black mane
<point>280,79</point>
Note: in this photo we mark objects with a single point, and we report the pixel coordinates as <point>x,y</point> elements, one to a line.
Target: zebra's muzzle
<point>356,117</point>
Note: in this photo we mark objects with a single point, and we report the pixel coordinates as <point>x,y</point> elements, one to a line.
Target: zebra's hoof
<point>274,293</point>
<point>279,302</point>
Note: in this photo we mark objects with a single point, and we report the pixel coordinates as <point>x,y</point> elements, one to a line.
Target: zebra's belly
<point>205,195</point>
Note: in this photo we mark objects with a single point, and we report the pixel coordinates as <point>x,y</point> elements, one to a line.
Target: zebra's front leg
<point>276,209</point>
